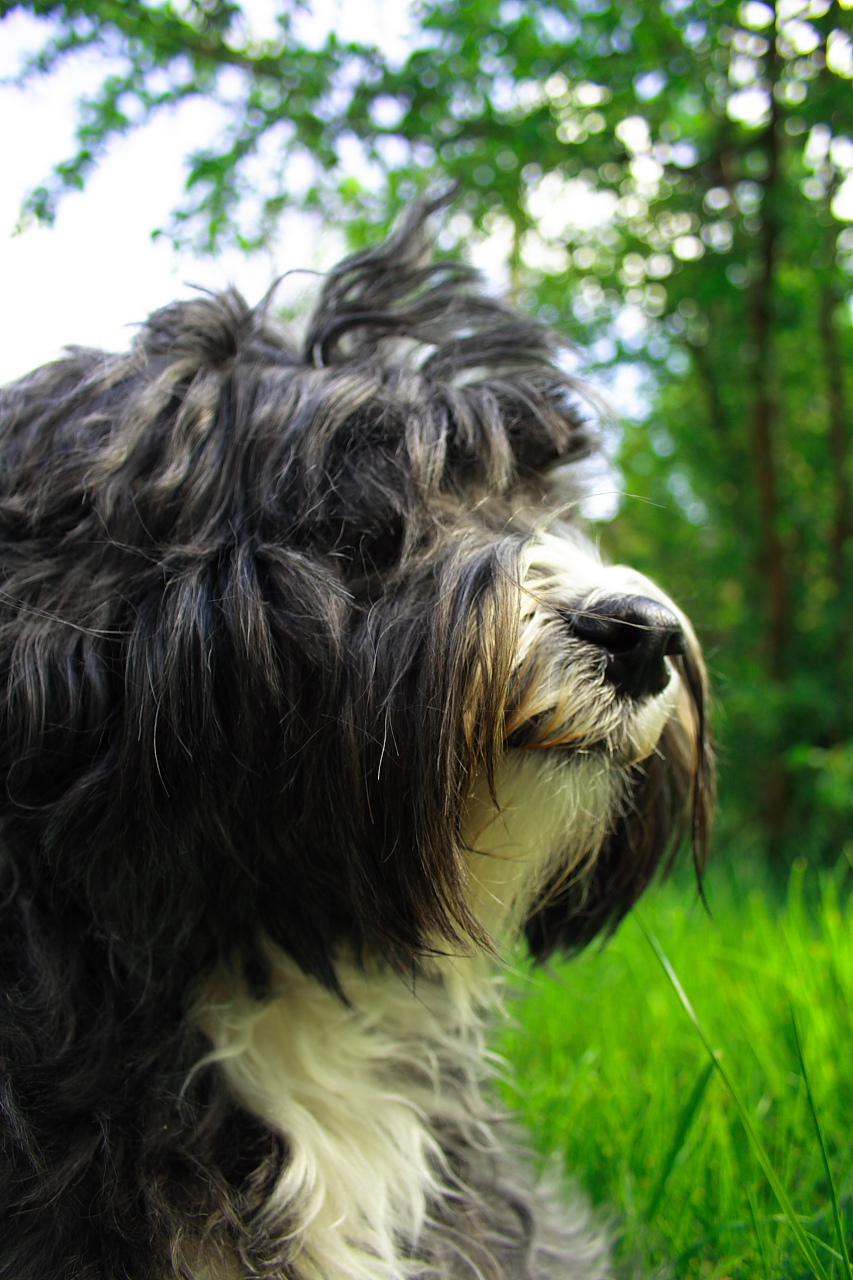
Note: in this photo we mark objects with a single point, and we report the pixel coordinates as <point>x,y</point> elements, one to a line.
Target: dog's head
<point>292,648</point>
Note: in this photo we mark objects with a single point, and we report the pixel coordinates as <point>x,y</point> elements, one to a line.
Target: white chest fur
<point>356,1092</point>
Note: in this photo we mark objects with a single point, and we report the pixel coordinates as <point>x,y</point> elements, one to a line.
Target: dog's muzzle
<point>637,635</point>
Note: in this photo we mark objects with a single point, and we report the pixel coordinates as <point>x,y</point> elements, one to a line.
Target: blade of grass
<point>836,1211</point>
<point>755,1142</point>
<point>682,1129</point>
<point>758,1235</point>
<point>827,1248</point>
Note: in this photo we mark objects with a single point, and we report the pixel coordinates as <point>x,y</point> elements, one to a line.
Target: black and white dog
<point>309,704</point>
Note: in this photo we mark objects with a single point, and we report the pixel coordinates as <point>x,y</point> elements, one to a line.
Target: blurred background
<point>669,183</point>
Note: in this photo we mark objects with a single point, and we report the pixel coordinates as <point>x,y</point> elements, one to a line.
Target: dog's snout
<point>637,634</point>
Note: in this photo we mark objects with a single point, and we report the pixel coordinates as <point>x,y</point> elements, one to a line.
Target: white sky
<point>96,272</point>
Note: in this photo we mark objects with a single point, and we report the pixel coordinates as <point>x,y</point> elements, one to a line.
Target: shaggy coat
<point>308,702</point>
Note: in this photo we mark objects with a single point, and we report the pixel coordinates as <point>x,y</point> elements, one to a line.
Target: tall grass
<point>615,1082</point>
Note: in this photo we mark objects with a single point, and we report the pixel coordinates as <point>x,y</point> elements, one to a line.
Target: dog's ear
<point>428,710</point>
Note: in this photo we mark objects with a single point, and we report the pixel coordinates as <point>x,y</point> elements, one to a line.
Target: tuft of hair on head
<point>495,374</point>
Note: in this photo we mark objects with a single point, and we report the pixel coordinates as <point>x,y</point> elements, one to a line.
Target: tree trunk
<point>764,438</point>
<point>764,425</point>
<point>838,442</point>
<point>717,415</point>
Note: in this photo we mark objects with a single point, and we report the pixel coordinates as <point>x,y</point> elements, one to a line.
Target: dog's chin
<point>647,721</point>
<point>557,822</point>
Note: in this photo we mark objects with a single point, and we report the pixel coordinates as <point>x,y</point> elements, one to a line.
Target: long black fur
<point>237,579</point>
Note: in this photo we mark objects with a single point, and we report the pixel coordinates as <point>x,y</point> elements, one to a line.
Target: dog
<point>314,697</point>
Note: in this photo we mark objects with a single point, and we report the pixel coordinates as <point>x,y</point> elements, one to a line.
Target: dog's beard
<point>582,900</point>
<point>569,839</point>
<point>597,788</point>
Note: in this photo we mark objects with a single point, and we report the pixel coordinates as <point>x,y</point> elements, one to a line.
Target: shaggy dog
<point>310,703</point>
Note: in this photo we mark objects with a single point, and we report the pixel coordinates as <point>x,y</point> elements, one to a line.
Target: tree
<point>675,182</point>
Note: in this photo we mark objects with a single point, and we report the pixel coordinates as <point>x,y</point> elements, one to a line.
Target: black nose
<point>636,634</point>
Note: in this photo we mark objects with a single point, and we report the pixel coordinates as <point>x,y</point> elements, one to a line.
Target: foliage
<point>613,1080</point>
<point>674,183</point>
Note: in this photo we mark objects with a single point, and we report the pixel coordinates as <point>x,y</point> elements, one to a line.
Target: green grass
<point>697,1156</point>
